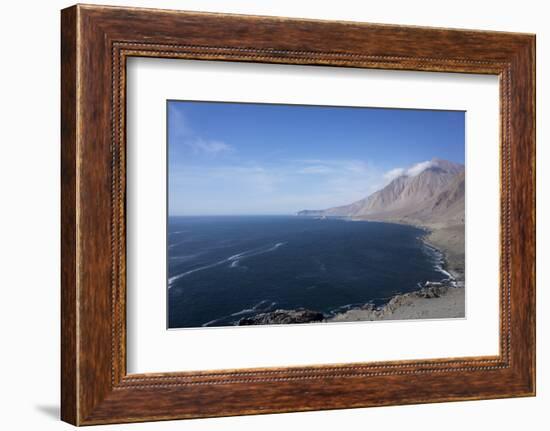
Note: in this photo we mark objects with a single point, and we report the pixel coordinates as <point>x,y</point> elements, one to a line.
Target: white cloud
<point>409,172</point>
<point>199,145</point>
<point>277,186</point>
<point>419,167</point>
<point>394,173</point>
<point>316,170</point>
<point>340,167</point>
<point>179,119</point>
<point>184,135</point>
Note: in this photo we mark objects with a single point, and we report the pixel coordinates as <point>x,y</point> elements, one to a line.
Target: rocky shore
<point>435,302</point>
<point>431,302</point>
<point>279,317</point>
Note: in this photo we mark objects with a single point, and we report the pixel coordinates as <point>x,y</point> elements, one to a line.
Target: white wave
<point>176,244</point>
<point>184,257</point>
<point>211,322</point>
<point>233,259</point>
<point>438,259</point>
<point>177,232</point>
<point>262,307</point>
<point>442,271</point>
<point>177,277</point>
<point>258,307</point>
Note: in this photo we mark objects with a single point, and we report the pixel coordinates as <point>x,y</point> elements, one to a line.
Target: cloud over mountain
<point>408,172</point>
<point>427,193</point>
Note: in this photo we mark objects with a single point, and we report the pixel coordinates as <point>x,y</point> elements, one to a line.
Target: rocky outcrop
<point>368,311</point>
<point>432,301</point>
<point>311,213</point>
<point>433,290</point>
<point>279,317</point>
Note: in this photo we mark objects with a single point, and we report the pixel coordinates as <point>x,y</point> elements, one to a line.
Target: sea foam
<point>234,259</point>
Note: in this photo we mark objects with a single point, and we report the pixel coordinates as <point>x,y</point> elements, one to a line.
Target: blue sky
<point>234,158</point>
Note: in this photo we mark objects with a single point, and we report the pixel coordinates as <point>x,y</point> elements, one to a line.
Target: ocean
<point>224,268</point>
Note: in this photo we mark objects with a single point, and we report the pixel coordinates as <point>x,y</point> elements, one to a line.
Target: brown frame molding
<point>95,43</point>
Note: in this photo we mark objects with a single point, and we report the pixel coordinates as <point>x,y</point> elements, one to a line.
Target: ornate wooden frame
<point>96,41</point>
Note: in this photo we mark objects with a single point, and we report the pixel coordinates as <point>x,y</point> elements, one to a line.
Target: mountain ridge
<point>432,197</point>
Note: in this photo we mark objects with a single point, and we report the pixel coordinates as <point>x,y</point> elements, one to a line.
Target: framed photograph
<point>239,174</point>
<point>265,215</point>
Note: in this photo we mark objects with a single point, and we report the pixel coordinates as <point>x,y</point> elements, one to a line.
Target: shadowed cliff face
<point>432,197</point>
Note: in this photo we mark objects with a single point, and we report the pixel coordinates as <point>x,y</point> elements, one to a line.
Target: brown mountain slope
<point>432,197</point>
<point>447,207</point>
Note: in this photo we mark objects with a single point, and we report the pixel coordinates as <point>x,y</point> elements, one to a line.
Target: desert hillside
<point>434,198</point>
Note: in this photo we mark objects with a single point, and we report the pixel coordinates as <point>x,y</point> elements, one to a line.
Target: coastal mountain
<point>432,197</point>
<point>430,194</point>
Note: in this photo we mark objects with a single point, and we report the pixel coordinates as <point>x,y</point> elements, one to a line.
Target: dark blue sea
<point>224,268</point>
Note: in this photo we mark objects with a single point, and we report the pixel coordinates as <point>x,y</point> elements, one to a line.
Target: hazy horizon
<point>230,159</point>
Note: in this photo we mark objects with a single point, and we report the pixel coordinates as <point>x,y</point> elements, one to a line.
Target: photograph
<point>290,214</point>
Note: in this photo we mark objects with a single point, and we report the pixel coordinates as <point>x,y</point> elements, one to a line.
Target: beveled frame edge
<point>96,41</point>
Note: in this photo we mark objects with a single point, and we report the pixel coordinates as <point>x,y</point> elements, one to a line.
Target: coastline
<point>434,300</point>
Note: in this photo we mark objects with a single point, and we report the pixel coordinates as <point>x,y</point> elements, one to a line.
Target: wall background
<point>29,215</point>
